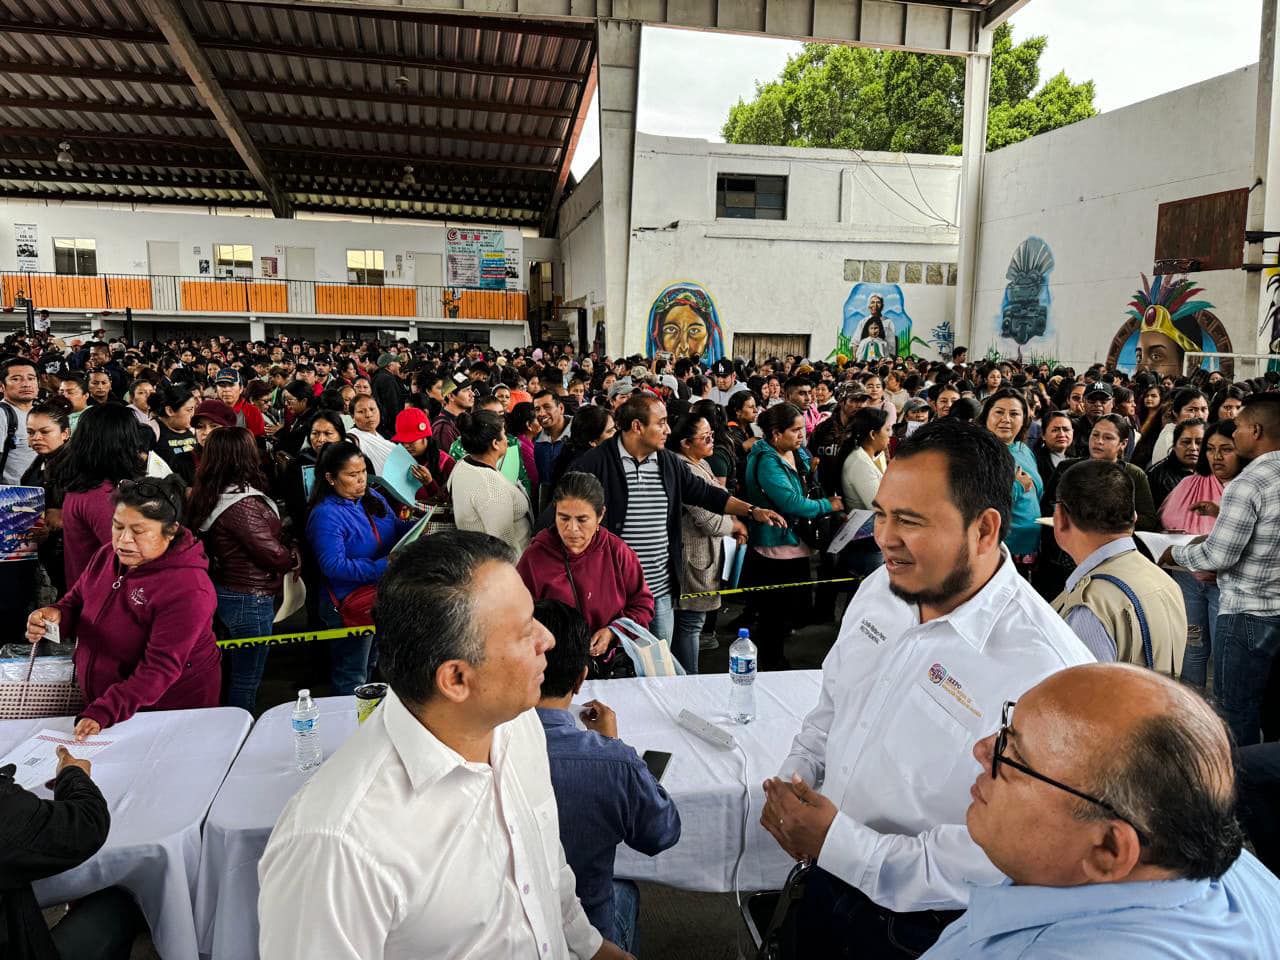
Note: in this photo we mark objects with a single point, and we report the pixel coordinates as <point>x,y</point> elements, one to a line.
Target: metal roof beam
<point>401,130</point>
<point>112,136</point>
<point>924,26</point>
<point>998,11</point>
<point>10,193</point>
<point>120,158</point>
<point>268,47</point>
<point>317,91</point>
<point>509,203</point>
<point>568,30</point>
<point>410,158</point>
<point>585,93</point>
<point>391,213</point>
<point>186,50</point>
<point>31,175</point>
<point>100,106</point>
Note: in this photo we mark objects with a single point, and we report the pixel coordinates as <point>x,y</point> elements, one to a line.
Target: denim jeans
<point>1201,601</point>
<point>245,615</point>
<point>350,659</point>
<point>664,621</point>
<point>688,634</point>
<point>1249,645</point>
<point>626,911</point>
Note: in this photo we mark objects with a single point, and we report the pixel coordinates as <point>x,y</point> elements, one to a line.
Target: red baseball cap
<point>411,426</point>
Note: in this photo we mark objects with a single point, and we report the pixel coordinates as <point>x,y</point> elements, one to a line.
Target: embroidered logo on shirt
<point>871,631</point>
<point>949,685</point>
<point>138,597</point>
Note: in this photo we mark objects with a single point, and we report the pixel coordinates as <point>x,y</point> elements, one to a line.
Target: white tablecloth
<point>262,780</point>
<point>159,780</point>
<point>705,781</point>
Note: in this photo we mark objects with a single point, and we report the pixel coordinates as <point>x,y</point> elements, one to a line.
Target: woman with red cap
<point>432,466</point>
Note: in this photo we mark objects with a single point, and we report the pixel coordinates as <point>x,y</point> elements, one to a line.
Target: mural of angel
<point>1024,312</point>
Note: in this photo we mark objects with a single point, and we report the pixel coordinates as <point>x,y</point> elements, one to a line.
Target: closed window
<point>75,256</point>
<point>364,266</point>
<point>741,197</point>
<point>233,259</point>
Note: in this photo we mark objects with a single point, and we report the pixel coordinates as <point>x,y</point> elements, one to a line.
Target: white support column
<point>977,97</point>
<point>257,329</point>
<point>618,46</point>
<point>1264,202</point>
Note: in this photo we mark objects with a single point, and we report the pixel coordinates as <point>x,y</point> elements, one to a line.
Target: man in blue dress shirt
<point>605,795</point>
<point>1107,799</point>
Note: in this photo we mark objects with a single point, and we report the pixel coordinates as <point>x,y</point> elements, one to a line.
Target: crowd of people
<point>187,483</point>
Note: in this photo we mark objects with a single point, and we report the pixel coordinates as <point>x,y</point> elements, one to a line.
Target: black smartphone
<point>657,762</point>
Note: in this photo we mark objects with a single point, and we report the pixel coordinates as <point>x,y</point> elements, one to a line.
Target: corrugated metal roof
<point>339,103</point>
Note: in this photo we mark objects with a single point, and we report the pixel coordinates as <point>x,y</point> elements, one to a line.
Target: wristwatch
<point>752,512</point>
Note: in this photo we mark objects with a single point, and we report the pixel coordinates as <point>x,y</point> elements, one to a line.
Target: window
<point>453,335</point>
<point>751,198</point>
<point>233,259</point>
<point>364,266</point>
<point>75,257</point>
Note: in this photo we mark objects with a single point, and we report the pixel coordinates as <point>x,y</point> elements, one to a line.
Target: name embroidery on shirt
<point>871,631</point>
<point>951,686</point>
<point>138,596</point>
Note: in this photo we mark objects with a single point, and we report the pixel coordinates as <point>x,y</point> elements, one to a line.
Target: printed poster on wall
<point>513,269</point>
<point>475,259</point>
<point>270,266</point>
<point>25,236</point>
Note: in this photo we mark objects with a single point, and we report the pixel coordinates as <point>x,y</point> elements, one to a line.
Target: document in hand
<point>37,757</point>
<point>859,526</point>
<point>397,475</point>
<point>417,530</point>
<point>1158,543</point>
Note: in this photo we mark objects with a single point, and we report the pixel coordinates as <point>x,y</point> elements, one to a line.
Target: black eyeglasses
<point>151,489</point>
<point>998,758</point>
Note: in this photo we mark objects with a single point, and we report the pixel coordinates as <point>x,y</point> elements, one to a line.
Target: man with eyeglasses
<point>1107,798</point>
<point>874,790</point>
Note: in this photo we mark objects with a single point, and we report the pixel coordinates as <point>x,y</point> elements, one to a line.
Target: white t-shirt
<point>21,456</point>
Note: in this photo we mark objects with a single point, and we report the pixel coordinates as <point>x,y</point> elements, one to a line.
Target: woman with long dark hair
<point>48,432</point>
<point>245,542</point>
<point>592,426</point>
<point>351,530</point>
<point>322,427</point>
<point>1006,414</point>
<point>105,449</point>
<point>483,499</point>
<point>776,476</point>
<point>173,406</point>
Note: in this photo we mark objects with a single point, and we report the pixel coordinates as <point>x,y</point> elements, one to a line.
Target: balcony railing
<point>258,296</point>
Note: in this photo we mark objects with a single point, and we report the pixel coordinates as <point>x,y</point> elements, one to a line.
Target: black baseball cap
<point>1101,388</point>
<point>723,368</point>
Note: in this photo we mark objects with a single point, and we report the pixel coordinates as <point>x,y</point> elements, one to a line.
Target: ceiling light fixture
<point>408,179</point>
<point>64,156</point>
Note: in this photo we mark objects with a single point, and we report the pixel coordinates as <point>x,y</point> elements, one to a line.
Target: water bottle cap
<point>744,632</point>
<point>304,694</point>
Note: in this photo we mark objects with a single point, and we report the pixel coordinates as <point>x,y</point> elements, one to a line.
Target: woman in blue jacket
<point>351,529</point>
<point>1006,414</point>
<point>777,470</point>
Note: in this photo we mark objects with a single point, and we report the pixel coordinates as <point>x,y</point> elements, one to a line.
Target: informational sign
<point>513,268</point>
<point>476,259</point>
<point>25,236</point>
<point>270,266</point>
<point>21,509</point>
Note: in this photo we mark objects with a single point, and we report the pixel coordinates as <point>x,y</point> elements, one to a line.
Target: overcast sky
<point>1131,49</point>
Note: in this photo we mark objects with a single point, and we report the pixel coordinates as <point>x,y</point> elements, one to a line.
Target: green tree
<point>862,99</point>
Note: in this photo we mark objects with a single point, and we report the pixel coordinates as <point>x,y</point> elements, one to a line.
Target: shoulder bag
<point>814,532</point>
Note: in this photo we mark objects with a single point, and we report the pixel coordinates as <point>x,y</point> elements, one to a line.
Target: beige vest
<point>1161,604</point>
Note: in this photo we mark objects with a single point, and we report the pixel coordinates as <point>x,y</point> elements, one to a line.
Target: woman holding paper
<point>483,499</point>
<point>248,555</point>
<point>351,530</point>
<point>1192,507</point>
<point>141,613</point>
<point>862,468</point>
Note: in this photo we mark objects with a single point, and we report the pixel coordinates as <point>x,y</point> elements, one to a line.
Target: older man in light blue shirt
<point>1107,799</point>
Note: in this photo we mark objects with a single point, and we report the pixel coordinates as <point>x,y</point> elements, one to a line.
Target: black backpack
<point>10,434</point>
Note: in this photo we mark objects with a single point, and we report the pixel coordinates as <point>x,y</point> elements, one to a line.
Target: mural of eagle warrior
<point>1025,311</point>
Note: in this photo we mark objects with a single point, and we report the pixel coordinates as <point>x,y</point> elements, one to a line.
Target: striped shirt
<point>645,528</point>
<point>1244,546</point>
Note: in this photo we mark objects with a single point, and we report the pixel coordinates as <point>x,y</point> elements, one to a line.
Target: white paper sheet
<point>37,757</point>
<point>416,531</point>
<point>295,595</point>
<point>846,534</point>
<point>1158,543</point>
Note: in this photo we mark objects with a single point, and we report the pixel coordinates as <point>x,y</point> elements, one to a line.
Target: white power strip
<point>706,730</point>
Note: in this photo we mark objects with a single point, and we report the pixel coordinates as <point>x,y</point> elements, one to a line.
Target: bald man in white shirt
<point>876,785</point>
<point>433,831</point>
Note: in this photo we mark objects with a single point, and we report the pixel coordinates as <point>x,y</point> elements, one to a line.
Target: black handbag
<point>814,532</point>
<point>613,664</point>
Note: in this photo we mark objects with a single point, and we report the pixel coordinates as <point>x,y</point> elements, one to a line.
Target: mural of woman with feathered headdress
<point>684,322</point>
<point>1166,323</point>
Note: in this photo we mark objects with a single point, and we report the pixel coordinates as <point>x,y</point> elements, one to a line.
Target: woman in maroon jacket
<point>584,565</point>
<point>141,613</point>
<point>248,556</point>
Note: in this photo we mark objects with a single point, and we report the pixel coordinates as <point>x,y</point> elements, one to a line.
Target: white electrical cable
<point>746,814</point>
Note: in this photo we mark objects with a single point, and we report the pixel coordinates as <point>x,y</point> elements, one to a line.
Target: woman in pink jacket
<point>141,613</point>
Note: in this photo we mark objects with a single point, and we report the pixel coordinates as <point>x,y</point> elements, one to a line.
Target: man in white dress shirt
<point>931,647</point>
<point>433,831</point>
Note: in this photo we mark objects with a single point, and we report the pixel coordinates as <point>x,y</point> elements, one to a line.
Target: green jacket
<point>772,483</point>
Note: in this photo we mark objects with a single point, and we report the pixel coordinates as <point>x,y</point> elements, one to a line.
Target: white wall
<point>582,243</point>
<point>1091,191</point>
<point>122,237</point>
<point>791,276</point>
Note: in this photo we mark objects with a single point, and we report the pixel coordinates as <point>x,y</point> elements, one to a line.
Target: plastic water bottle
<point>742,677</point>
<point>306,732</point>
